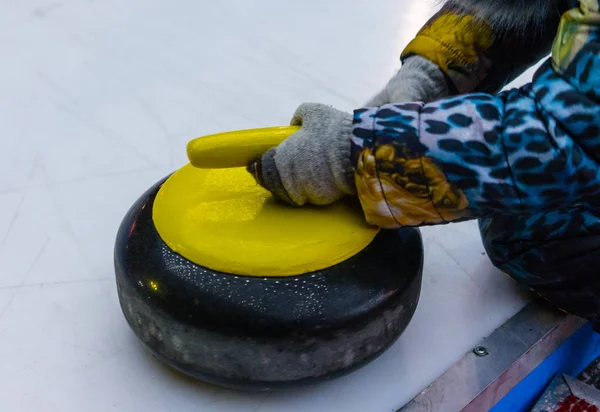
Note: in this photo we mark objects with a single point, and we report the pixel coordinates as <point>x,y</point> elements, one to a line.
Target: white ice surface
<point>98,99</point>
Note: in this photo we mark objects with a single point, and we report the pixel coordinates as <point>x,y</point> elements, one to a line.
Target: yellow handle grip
<point>235,149</point>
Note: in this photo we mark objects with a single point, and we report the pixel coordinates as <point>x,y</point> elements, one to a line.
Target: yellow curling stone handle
<point>237,148</point>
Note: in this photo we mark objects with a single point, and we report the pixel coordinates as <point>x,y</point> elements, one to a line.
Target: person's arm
<point>527,150</point>
<point>477,155</point>
<point>473,46</point>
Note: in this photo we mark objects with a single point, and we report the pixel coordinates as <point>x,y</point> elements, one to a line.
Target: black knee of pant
<point>556,254</point>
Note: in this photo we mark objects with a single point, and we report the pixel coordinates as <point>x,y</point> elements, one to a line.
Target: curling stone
<point>223,283</point>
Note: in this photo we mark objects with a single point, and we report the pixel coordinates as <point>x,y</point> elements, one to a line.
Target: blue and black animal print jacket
<point>522,151</point>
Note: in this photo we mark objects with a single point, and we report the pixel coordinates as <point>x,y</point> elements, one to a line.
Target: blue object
<point>570,358</point>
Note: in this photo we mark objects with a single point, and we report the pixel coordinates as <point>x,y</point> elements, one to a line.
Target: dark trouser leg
<point>556,254</point>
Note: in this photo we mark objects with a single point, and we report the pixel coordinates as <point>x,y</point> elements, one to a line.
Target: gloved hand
<point>418,80</point>
<point>312,165</point>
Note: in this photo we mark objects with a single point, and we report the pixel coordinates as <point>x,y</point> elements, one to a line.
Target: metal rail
<point>487,373</point>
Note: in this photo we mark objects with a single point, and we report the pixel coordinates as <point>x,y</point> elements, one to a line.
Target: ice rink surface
<point>98,99</point>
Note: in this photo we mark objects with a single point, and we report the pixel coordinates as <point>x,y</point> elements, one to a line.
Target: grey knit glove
<point>312,165</point>
<point>418,80</point>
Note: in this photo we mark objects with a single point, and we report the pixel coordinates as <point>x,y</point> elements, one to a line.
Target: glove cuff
<point>341,167</point>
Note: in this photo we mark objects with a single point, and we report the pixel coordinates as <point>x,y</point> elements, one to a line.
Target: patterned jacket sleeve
<point>527,150</point>
<point>482,45</point>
